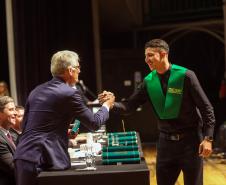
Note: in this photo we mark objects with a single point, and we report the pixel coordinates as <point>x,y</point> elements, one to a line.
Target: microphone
<point>86,89</point>
<point>82,85</point>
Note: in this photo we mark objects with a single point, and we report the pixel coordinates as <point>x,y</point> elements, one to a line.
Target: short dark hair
<point>157,43</point>
<point>5,100</point>
<point>19,107</point>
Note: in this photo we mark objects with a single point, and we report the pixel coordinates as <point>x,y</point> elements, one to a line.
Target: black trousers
<point>176,156</point>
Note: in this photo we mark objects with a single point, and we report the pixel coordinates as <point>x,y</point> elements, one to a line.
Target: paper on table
<point>78,163</point>
<point>75,153</point>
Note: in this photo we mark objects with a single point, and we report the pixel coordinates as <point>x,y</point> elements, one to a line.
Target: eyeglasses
<point>77,67</point>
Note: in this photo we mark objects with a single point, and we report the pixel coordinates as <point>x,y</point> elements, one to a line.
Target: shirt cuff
<point>106,106</point>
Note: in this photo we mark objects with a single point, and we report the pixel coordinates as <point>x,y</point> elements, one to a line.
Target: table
<point>132,174</point>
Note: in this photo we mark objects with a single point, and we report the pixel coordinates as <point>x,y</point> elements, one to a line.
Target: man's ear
<point>70,70</point>
<point>163,54</point>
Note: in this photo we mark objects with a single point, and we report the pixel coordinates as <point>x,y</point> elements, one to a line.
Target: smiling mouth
<point>150,63</point>
<point>13,118</point>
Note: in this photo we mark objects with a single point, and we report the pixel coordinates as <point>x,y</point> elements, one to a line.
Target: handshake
<point>106,97</point>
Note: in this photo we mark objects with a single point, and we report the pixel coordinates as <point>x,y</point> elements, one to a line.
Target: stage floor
<point>214,168</point>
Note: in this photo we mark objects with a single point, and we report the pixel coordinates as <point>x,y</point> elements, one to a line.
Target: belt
<point>173,137</point>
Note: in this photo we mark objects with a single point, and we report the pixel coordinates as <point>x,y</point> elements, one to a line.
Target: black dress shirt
<point>164,78</point>
<point>196,111</point>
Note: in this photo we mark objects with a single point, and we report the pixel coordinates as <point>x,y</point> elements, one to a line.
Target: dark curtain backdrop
<point>203,54</point>
<point>44,27</point>
<point>4,73</point>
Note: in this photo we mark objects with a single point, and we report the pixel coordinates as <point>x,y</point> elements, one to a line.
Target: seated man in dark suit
<point>7,147</point>
<point>16,129</point>
<point>49,110</point>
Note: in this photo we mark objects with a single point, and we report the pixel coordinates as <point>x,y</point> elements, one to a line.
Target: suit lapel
<point>9,143</point>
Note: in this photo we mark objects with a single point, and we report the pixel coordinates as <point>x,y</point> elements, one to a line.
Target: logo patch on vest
<point>174,91</point>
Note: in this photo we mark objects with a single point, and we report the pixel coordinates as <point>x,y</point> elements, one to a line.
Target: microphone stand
<point>86,89</point>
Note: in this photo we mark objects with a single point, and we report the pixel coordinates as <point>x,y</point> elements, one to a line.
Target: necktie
<point>11,139</point>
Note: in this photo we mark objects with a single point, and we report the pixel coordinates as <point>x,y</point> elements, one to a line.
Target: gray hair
<point>61,60</point>
<point>5,100</point>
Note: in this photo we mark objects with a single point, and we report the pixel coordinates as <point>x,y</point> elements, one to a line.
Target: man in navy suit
<point>7,147</point>
<point>50,108</point>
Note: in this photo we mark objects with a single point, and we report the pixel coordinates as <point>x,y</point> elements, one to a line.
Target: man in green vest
<point>186,117</point>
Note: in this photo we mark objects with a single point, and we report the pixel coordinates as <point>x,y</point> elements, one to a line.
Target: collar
<point>166,74</point>
<point>4,131</point>
<point>57,78</point>
<point>15,131</point>
<point>60,79</point>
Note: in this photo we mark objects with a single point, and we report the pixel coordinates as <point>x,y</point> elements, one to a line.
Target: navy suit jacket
<point>49,110</point>
<point>6,160</point>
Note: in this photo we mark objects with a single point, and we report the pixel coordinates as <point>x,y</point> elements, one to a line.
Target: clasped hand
<point>107,97</point>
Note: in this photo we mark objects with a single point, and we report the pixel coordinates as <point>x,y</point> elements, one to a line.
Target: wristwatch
<point>208,138</point>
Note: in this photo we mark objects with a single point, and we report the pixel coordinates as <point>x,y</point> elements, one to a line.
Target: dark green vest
<point>167,107</point>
